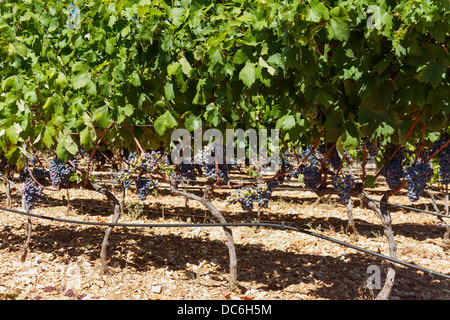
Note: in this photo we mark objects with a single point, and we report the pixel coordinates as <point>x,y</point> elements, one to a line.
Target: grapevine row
<point>142,168</point>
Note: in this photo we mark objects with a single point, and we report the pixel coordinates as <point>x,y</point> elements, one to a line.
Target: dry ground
<point>192,263</point>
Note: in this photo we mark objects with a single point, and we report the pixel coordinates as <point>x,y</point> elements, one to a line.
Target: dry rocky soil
<point>191,263</point>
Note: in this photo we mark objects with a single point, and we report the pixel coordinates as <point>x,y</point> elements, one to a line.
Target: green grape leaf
<point>164,122</point>
<point>338,28</point>
<point>80,80</point>
<point>240,57</point>
<point>316,11</point>
<point>369,182</point>
<point>286,122</point>
<point>61,80</point>
<point>248,74</point>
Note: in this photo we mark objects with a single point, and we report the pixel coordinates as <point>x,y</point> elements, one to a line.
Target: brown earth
<point>192,263</point>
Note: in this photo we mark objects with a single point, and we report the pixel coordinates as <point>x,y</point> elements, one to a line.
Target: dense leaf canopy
<point>340,70</point>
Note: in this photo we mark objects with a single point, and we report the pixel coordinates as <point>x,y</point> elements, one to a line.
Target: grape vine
<point>134,71</point>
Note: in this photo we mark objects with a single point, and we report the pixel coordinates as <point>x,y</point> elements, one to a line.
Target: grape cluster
<point>151,161</point>
<point>124,177</point>
<point>283,166</point>
<point>233,164</point>
<point>444,170</point>
<point>207,163</point>
<point>147,161</point>
<point>264,192</point>
<point>312,157</point>
<point>334,159</point>
<point>100,157</point>
<point>393,170</point>
<point>444,157</point>
<point>294,173</point>
<point>188,172</point>
<point>417,178</point>
<point>145,186</point>
<point>231,161</point>
<point>60,173</point>
<point>83,157</point>
<point>32,194</point>
<point>41,175</point>
<point>249,195</point>
<point>311,177</point>
<point>372,149</point>
<point>245,196</point>
<point>343,185</point>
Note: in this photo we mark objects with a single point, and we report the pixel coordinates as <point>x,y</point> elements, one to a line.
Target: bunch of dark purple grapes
<point>417,178</point>
<point>334,159</point>
<point>311,177</point>
<point>206,159</point>
<point>444,157</point>
<point>371,148</point>
<point>32,194</point>
<point>343,185</point>
<point>245,196</point>
<point>264,192</point>
<point>60,173</point>
<point>188,172</point>
<point>39,174</point>
<point>393,169</point>
<point>145,186</point>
